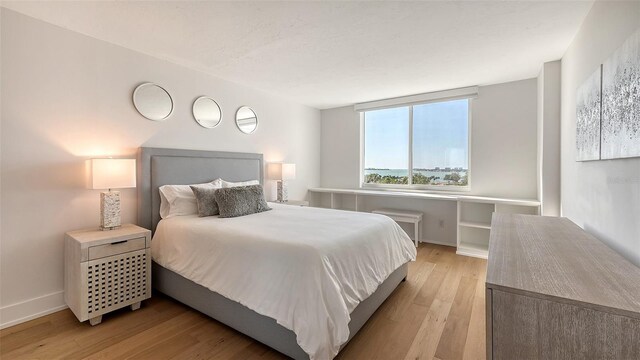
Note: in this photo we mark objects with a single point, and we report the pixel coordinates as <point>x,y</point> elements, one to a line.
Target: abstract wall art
<point>588,111</point>
<point>621,101</point>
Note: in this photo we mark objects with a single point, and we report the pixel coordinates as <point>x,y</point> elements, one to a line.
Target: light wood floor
<point>438,313</point>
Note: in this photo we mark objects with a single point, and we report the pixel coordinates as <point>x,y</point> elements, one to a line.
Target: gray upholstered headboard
<point>158,166</point>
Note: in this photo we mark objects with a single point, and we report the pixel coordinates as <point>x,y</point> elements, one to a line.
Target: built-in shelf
<point>474,212</point>
<point>430,195</point>
<point>475,224</point>
<point>473,249</point>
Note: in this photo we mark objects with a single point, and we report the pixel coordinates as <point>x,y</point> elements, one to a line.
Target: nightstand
<point>294,202</point>
<point>106,270</point>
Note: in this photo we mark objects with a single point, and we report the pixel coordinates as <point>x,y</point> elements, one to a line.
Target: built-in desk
<point>556,292</point>
<point>473,221</point>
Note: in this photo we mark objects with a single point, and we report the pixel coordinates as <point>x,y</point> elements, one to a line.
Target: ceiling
<point>329,54</point>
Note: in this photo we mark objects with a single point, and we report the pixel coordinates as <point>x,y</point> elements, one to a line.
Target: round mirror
<point>207,112</point>
<point>246,119</point>
<point>152,101</point>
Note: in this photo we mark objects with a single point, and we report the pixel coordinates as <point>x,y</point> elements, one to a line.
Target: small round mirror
<point>246,119</point>
<point>207,112</point>
<point>152,101</point>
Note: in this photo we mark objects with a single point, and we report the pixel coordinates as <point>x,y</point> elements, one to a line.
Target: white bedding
<point>307,268</point>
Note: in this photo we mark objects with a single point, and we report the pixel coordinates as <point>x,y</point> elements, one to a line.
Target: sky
<point>440,136</point>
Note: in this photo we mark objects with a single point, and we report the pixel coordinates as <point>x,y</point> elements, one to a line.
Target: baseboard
<point>437,242</point>
<point>17,313</point>
<point>472,253</point>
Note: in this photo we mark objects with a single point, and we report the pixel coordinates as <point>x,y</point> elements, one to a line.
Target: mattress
<point>307,268</point>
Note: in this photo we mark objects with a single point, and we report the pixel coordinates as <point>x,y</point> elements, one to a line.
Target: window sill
<point>417,188</point>
<point>405,193</point>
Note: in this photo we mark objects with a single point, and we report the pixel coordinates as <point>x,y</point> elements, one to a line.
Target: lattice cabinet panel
<point>117,281</point>
<point>107,270</point>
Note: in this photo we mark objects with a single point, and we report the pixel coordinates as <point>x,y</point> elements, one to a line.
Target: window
<point>418,146</point>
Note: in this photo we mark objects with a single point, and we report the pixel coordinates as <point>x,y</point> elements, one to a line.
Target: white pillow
<point>178,200</point>
<point>228,184</point>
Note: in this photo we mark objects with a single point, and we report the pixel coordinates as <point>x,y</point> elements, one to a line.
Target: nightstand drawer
<point>100,251</point>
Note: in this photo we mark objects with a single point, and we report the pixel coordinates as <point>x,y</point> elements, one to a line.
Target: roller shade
<point>453,94</point>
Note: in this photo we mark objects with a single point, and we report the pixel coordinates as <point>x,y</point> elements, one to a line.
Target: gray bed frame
<point>159,166</point>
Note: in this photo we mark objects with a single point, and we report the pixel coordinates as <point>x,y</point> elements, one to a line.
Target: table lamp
<point>111,174</point>
<point>281,173</point>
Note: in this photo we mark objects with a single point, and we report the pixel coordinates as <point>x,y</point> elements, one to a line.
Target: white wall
<point>67,97</point>
<point>504,142</point>
<point>601,196</point>
<point>503,148</point>
<point>340,148</point>
<point>503,155</point>
<point>549,138</point>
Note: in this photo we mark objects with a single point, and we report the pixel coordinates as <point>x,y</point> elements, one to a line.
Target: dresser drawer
<point>100,251</point>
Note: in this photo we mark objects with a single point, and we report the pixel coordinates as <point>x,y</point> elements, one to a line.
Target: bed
<point>337,262</point>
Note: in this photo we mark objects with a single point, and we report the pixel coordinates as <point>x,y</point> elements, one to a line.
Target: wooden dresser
<point>556,292</point>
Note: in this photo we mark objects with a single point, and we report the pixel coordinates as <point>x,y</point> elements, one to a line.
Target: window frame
<point>410,186</point>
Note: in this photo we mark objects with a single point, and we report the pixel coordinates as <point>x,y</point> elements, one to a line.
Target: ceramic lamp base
<point>110,210</point>
<point>283,192</point>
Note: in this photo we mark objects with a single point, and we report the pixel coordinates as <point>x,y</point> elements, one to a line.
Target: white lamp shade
<point>112,173</point>
<point>288,171</point>
<point>280,171</point>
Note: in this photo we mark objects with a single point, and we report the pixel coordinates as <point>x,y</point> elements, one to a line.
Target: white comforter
<point>307,268</point>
